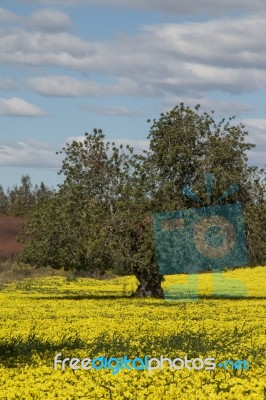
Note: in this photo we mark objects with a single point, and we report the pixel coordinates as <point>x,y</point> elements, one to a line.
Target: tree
<point>77,223</point>
<point>255,216</point>
<point>184,145</point>
<point>3,201</point>
<point>41,192</point>
<point>21,197</point>
<point>101,216</point>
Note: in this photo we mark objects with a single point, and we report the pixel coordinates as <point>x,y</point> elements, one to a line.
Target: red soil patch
<point>10,228</point>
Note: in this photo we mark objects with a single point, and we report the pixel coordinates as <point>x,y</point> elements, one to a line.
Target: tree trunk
<point>149,286</point>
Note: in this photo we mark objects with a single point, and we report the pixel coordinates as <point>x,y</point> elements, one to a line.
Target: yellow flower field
<point>88,318</point>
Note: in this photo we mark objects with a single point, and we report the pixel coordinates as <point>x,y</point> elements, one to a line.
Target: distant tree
<point>255,215</point>
<point>21,197</point>
<point>41,192</point>
<point>3,201</point>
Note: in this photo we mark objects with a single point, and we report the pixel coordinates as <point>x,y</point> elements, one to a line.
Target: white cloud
<point>114,111</point>
<point>232,42</point>
<point>259,124</point>
<point>55,2</point>
<point>206,77</point>
<point>160,59</point>
<point>221,107</point>
<point>19,108</point>
<point>50,20</point>
<point>178,7</point>
<point>257,157</point>
<point>8,84</point>
<point>6,16</point>
<point>39,48</point>
<point>67,86</point>
<point>28,153</point>
<point>187,7</point>
<point>257,135</point>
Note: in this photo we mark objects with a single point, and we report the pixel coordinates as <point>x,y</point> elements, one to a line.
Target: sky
<point>67,67</point>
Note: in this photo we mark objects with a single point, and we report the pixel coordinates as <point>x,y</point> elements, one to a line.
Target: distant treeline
<point>17,201</point>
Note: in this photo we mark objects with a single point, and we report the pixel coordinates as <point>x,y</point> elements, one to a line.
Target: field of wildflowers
<point>87,318</point>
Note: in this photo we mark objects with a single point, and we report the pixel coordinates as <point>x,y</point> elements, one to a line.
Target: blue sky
<point>67,67</point>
